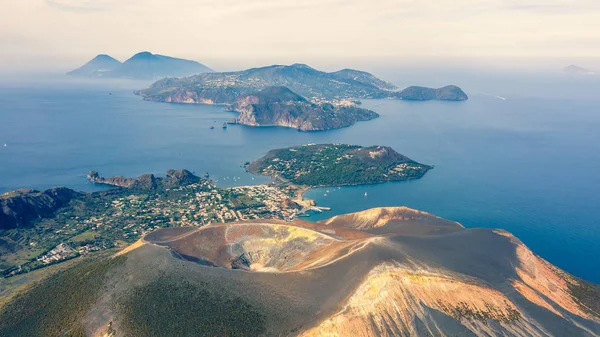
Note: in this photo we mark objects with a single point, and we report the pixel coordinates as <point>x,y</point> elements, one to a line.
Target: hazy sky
<point>223,33</point>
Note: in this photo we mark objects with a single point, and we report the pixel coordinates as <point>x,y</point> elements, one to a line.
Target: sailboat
<point>365,194</point>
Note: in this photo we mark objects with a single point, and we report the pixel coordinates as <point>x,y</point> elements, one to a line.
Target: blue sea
<point>522,154</point>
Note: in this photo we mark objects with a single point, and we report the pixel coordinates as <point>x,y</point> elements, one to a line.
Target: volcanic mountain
<point>313,84</point>
<point>380,272</point>
<point>142,66</point>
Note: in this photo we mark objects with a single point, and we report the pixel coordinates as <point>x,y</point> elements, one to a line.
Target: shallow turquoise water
<point>528,164</point>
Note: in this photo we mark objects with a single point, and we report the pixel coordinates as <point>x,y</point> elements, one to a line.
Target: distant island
<point>447,93</point>
<point>576,70</point>
<point>315,85</point>
<point>279,106</point>
<point>142,66</point>
<point>337,164</point>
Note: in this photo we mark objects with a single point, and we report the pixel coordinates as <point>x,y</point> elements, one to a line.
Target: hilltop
<point>337,164</point>
<point>100,66</point>
<point>382,272</point>
<point>20,207</point>
<point>279,106</point>
<point>143,65</point>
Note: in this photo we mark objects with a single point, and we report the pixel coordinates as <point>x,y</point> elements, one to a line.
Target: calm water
<point>528,164</point>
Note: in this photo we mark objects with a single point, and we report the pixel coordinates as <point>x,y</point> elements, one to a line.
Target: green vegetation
<point>175,307</point>
<point>87,236</point>
<point>338,164</point>
<point>56,306</point>
<point>586,294</point>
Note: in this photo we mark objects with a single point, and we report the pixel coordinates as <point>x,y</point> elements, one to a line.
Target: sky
<point>227,34</point>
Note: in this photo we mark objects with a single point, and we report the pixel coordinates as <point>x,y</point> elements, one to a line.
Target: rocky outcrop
<point>279,106</point>
<point>20,207</point>
<point>118,181</point>
<point>174,178</point>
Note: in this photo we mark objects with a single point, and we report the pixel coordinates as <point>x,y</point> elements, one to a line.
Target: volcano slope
<point>380,272</point>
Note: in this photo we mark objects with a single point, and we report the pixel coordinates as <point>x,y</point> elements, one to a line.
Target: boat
<point>212,127</point>
<point>224,125</point>
<point>365,194</point>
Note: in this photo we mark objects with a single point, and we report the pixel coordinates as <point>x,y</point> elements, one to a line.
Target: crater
<point>255,247</point>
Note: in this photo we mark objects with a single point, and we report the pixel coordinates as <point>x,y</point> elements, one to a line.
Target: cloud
<point>82,5</point>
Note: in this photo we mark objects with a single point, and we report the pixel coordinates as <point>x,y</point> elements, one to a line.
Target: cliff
<point>279,106</point>
<point>20,207</point>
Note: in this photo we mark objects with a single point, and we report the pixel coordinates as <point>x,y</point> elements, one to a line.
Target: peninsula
<point>174,178</point>
<point>337,165</point>
<point>279,106</point>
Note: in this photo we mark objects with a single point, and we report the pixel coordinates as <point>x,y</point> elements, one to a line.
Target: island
<point>577,70</point>
<point>314,85</point>
<point>447,93</point>
<point>141,66</point>
<point>316,165</point>
<point>279,106</point>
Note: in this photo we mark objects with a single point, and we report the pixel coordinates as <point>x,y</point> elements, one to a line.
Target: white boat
<point>365,194</point>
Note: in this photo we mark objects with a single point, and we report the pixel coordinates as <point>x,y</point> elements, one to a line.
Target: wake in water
<point>498,97</point>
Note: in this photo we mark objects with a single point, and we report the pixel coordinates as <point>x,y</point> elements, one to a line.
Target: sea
<point>522,154</point>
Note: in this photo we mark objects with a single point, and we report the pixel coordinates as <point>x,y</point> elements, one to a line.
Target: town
<point>119,217</point>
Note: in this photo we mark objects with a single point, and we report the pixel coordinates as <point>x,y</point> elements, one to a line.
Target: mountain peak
<point>143,65</point>
<point>144,55</point>
<point>103,57</point>
<point>573,69</point>
<point>301,66</point>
